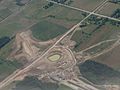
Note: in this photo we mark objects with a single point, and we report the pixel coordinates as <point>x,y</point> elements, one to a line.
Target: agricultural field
<point>12,5</point>
<point>111,58</point>
<point>16,22</point>
<point>99,73</point>
<point>6,49</point>
<point>32,83</point>
<point>109,9</point>
<point>34,14</point>
<point>101,47</point>
<point>83,4</point>
<point>55,43</point>
<point>9,7</point>
<point>7,66</point>
<point>4,13</point>
<point>46,30</point>
<point>94,33</point>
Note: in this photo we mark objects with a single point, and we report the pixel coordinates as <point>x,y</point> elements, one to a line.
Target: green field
<point>8,7</point>
<point>10,4</point>
<point>7,67</point>
<point>46,30</point>
<point>4,13</point>
<point>99,73</point>
<point>34,12</point>
<point>64,19</point>
<point>32,83</point>
<point>16,23</point>
<point>91,34</point>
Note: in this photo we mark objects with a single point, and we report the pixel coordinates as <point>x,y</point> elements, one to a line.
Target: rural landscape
<point>59,44</point>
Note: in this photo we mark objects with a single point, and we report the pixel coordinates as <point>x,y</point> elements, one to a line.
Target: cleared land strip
<point>104,51</point>
<point>11,79</point>
<point>78,9</point>
<point>97,45</point>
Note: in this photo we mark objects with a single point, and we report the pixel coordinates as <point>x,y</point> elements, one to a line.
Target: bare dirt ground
<point>61,69</point>
<point>26,46</point>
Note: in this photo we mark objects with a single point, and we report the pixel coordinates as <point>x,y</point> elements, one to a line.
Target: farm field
<point>31,83</point>
<point>8,28</point>
<point>19,21</point>
<point>46,30</point>
<point>36,14</point>
<point>83,4</point>
<point>101,47</point>
<point>11,4</point>
<point>99,73</point>
<point>4,13</point>
<point>91,35</point>
<point>46,45</point>
<point>109,9</point>
<point>111,58</point>
<point>7,66</point>
<point>9,7</point>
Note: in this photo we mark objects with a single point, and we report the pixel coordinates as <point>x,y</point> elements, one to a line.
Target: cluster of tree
<point>19,3</point>
<point>114,1</point>
<point>69,2</point>
<point>102,21</point>
<point>4,41</point>
<point>60,1</point>
<point>116,13</point>
<point>48,5</point>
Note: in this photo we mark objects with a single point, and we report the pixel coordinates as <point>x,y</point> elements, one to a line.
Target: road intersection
<point>89,12</point>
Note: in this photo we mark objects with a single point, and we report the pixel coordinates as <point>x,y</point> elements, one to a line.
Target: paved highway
<point>11,79</point>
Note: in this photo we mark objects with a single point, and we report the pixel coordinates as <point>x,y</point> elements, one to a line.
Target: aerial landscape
<point>59,44</point>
